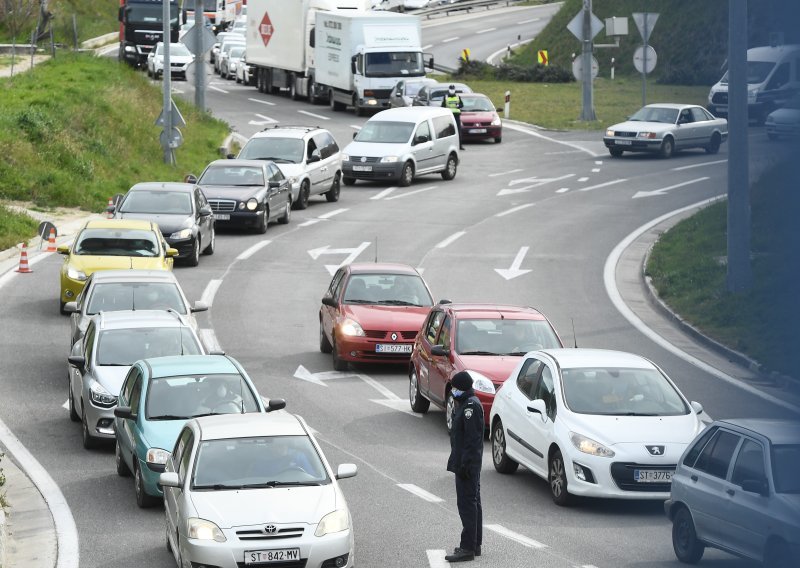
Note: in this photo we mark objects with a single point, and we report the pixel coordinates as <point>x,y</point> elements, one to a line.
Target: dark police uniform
<point>466,455</point>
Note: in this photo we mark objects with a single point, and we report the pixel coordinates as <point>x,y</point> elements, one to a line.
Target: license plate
<point>362,168</point>
<point>222,217</point>
<point>652,475</point>
<point>267,556</point>
<point>623,142</point>
<point>392,348</point>
<point>477,131</point>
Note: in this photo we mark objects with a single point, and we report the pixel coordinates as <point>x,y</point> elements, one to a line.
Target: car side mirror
<point>313,158</point>
<point>230,156</point>
<point>62,249</point>
<point>111,209</point>
<point>273,184</point>
<point>328,301</point>
<point>697,407</point>
<point>355,134</point>
<point>538,406</point>
<point>169,479</point>
<point>440,351</point>
<point>199,306</point>
<point>71,307</point>
<point>124,412</point>
<point>78,361</point>
<point>205,211</point>
<point>171,252</point>
<point>756,486</point>
<point>346,470</point>
<point>275,404</point>
<point>430,62</point>
<point>190,178</point>
<point>421,139</point>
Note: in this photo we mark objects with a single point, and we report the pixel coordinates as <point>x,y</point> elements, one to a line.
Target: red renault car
<point>486,340</point>
<point>479,119</point>
<point>371,313</point>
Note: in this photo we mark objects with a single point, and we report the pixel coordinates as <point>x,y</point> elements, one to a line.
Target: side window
<point>749,464</point>
<point>434,323</point>
<point>691,455</point>
<point>546,391</point>
<point>312,146</point>
<point>444,126</point>
<point>699,114</point>
<point>325,143</point>
<point>780,77</point>
<point>180,445</point>
<point>183,465</point>
<point>125,391</point>
<point>274,173</point>
<point>336,284</point>
<point>423,94</point>
<point>526,380</point>
<point>444,335</point>
<point>88,344</point>
<point>685,117</point>
<point>423,130</point>
<point>136,395</point>
<point>716,456</point>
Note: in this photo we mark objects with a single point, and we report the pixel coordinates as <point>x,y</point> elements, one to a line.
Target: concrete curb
<point>100,41</point>
<point>2,537</point>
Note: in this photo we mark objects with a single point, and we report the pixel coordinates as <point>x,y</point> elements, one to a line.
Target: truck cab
<point>141,27</point>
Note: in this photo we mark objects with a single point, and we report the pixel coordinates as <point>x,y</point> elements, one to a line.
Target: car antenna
<point>376,249</point>
<point>574,337</point>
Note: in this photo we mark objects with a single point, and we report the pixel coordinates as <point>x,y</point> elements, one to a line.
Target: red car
<point>372,312</point>
<point>479,119</point>
<point>486,340</point>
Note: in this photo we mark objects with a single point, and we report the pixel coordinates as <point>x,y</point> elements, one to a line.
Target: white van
<point>399,144</point>
<point>773,76</point>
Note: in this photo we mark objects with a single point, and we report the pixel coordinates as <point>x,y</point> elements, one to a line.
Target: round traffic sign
<point>638,59</point>
<point>577,67</point>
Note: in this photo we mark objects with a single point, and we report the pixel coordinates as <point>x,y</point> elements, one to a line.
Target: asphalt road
<point>559,194</point>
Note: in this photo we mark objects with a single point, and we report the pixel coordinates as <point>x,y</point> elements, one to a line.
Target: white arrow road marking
<point>209,339</point>
<point>514,271</point>
<point>505,173</point>
<point>537,182</point>
<point>261,102</point>
<point>503,192</point>
<point>451,239</point>
<point>562,190</point>
<point>318,378</point>
<point>266,120</point>
<point>436,558</point>
<point>383,193</point>
<point>420,492</point>
<point>65,406</point>
<point>595,170</point>
<point>210,292</point>
<point>664,190</point>
<point>218,89</point>
<point>698,165</point>
<point>605,184</point>
<point>352,254</point>
<point>522,539</point>
<point>399,404</point>
<point>311,114</point>
<point>514,209</point>
<point>412,192</point>
<point>252,250</point>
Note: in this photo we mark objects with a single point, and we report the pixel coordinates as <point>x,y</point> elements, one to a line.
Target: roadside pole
<point>507,105</point>
<point>587,113</point>
<point>166,113</point>
<point>199,63</point>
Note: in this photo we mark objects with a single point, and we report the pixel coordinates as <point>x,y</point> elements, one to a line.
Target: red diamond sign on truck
<point>266,29</point>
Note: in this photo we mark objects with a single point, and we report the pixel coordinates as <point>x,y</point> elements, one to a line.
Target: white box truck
<point>360,56</point>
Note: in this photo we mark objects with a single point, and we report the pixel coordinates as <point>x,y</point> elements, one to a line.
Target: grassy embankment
<point>92,18</point>
<point>79,129</point>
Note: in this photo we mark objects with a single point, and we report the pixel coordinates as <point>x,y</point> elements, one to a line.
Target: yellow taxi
<point>111,244</point>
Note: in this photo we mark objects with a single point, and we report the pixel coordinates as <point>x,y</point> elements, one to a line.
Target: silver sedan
<point>665,129</point>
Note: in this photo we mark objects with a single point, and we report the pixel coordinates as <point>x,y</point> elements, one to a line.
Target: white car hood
<point>175,59</point>
<point>257,506</point>
<point>635,429</point>
<point>111,377</point>
<point>785,116</point>
<point>375,149</point>
<point>642,126</point>
<point>291,170</point>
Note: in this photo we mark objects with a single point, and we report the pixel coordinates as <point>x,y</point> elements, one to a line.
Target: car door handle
<point>693,478</point>
<point>730,492</point>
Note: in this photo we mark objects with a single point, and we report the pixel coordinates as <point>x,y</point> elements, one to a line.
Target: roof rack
<point>298,126</point>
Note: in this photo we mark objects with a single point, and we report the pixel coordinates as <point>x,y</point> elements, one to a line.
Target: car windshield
<point>439,94</point>
<point>232,176</point>
<point>182,397</point>
<point>385,132</point>
<point>615,391</point>
<point>656,114</point>
<point>157,202</point>
<point>279,150</point>
<point>757,72</point>
<point>149,13</point>
<point>387,289</point>
<point>503,336</point>
<point>123,347</point>
<point>413,87</point>
<point>117,242</point>
<point>236,52</point>
<point>477,104</point>
<point>116,296</point>
<point>785,465</point>
<point>394,64</point>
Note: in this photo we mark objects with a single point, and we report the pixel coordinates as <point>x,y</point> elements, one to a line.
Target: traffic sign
<point>577,68</point>
<point>638,59</point>
<point>172,140</point>
<point>645,17</point>
<point>265,29</point>
<point>542,57</point>
<point>191,70</point>
<point>177,117</point>
<point>576,25</point>
<point>198,40</point>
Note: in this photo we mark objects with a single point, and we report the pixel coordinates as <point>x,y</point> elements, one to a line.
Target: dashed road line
<point>451,239</point>
<point>448,40</point>
<point>330,214</point>
<point>424,47</point>
<point>595,170</point>
<point>309,222</point>
<point>209,339</point>
<point>605,184</point>
<point>314,115</point>
<point>268,119</point>
<point>583,179</point>
<point>698,165</point>
<point>514,209</point>
<point>598,162</point>
<point>384,193</point>
<point>562,190</point>
<point>516,537</point>
<point>505,173</point>
<point>528,21</point>
<point>420,492</point>
<point>400,196</point>
<point>485,31</point>
<point>252,250</point>
<point>218,89</point>
<point>210,291</point>
<point>261,102</point>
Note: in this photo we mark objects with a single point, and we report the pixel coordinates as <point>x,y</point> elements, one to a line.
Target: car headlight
<point>130,49</point>
<point>292,180</point>
<point>334,522</point>
<point>345,157</point>
<point>202,529</point>
<point>100,396</point>
<point>609,132</point>
<point>76,274</point>
<point>252,204</point>
<point>496,121</point>
<point>752,96</point>
<point>182,234</point>
<point>650,135</point>
<point>157,456</point>
<point>388,159</point>
<point>589,446</point>
<point>481,383</point>
<point>351,328</point>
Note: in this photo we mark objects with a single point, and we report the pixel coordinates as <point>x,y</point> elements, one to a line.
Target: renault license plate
<point>268,556</point>
<point>362,168</point>
<point>477,131</point>
<point>652,475</point>
<point>392,348</point>
<point>222,216</point>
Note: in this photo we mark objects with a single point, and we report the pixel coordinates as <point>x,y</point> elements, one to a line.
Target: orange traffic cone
<point>51,241</point>
<point>109,208</point>
<point>23,260</point>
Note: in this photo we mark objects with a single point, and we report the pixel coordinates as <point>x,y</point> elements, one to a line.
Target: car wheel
<point>419,403</point>
<point>324,345</point>
<point>407,175</point>
<point>332,195</point>
<point>310,93</point>
<point>263,221</point>
<point>287,213</point>
<point>777,555</point>
<point>667,148</point>
<point>688,549</point>
<point>194,256</point>
<point>502,463</point>
<point>122,467</point>
<point>89,441</point>
<point>143,500</point>
<point>713,145</point>
<point>615,152</point>
<point>338,363</point>
<point>73,414</point>
<point>450,168</point>
<point>304,194</point>
<point>348,180</point>
<point>166,534</point>
<point>557,476</point>
<point>498,139</point>
<point>212,242</point>
<point>449,407</point>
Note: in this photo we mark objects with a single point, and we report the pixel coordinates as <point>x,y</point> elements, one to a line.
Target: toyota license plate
<point>222,217</point>
<point>268,556</point>
<point>652,475</point>
<point>362,168</point>
<point>392,348</point>
<point>623,142</point>
<point>477,131</point>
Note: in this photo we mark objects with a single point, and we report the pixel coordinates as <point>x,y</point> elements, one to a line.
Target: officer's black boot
<point>460,555</point>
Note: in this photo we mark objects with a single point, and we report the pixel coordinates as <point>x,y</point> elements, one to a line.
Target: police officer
<point>452,101</point>
<point>466,454</point>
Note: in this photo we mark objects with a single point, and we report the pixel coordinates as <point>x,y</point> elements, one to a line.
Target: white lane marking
<point>528,21</point>
<point>526,189</point>
<point>420,492</point>
<point>664,190</point>
<point>484,31</point>
<point>424,47</point>
<point>400,196</point>
<point>537,181</point>
<point>383,193</point>
<point>261,102</point>
<point>210,292</point>
<point>436,558</point>
<point>264,120</point>
<point>605,184</point>
<point>598,162</point>
<point>399,404</point>
<point>595,170</point>
<point>65,406</point>
<point>561,153</point>
<point>314,115</point>
<point>530,132</point>
<point>355,127</point>
<point>209,339</point>
<point>509,534</point>
<point>505,173</point>
<point>698,165</point>
<point>252,250</point>
<point>330,214</point>
<point>514,209</point>
<point>609,280</point>
<point>451,239</point>
<point>514,270</point>
<point>562,190</point>
<point>448,40</point>
<point>583,179</point>
<point>309,222</point>
<point>218,89</point>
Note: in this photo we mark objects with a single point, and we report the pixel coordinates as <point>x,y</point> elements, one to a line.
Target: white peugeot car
<point>593,423</point>
<point>255,489</point>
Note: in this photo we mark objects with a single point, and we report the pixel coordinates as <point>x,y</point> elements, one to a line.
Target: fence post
<point>507,106</point>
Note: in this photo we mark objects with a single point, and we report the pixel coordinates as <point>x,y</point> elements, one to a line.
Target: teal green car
<point>157,398</point>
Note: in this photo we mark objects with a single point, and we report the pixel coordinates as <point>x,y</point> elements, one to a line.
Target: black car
<point>181,212</point>
<point>246,193</point>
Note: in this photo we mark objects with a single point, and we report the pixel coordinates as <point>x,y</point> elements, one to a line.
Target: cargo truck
<point>141,27</point>
<point>221,13</point>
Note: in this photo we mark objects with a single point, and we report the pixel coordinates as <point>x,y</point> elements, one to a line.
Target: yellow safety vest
<point>452,104</point>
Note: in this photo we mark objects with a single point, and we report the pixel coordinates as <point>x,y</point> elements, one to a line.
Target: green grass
<point>92,18</point>
<point>688,269</point>
<point>15,227</point>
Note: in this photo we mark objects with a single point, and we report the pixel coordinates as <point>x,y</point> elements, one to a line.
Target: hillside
<point>92,18</point>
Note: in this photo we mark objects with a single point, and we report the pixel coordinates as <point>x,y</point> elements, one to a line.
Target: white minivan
<point>773,76</point>
<point>400,144</point>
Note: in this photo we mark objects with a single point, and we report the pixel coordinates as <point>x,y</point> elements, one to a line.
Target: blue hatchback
<point>157,398</point>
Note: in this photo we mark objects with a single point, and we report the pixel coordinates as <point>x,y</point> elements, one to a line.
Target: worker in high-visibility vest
<point>452,101</point>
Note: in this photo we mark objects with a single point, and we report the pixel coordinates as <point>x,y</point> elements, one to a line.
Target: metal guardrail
<point>446,9</point>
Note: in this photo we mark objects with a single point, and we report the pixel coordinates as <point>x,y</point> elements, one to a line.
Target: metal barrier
<point>463,7</point>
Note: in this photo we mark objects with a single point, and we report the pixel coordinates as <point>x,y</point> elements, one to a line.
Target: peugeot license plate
<point>267,556</point>
<point>652,475</point>
<point>623,142</point>
<point>362,168</point>
<point>392,348</point>
<point>222,217</point>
